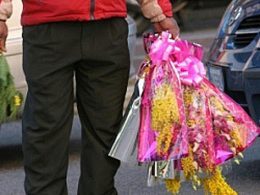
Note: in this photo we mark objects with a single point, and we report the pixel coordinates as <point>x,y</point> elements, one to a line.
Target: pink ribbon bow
<point>183,56</point>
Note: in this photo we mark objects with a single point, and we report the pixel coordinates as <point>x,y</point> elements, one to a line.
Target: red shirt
<point>43,11</point>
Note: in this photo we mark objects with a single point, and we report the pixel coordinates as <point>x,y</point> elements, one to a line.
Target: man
<point>87,38</point>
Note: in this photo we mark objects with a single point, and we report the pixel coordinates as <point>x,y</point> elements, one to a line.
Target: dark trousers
<point>97,53</point>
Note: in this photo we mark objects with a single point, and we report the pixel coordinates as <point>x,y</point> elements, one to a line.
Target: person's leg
<point>101,85</point>
<point>50,50</point>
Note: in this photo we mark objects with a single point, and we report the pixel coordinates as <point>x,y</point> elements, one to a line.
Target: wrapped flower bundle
<point>213,129</point>
<point>188,127</point>
<point>10,98</point>
<point>163,132</point>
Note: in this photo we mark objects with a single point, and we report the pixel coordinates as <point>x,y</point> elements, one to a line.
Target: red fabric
<point>166,7</point>
<point>37,12</point>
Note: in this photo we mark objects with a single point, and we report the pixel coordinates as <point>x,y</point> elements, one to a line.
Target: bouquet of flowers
<point>188,128</point>
<point>162,132</point>
<point>10,98</point>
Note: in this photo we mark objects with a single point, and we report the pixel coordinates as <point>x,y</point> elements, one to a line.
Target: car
<point>233,61</point>
<point>14,46</point>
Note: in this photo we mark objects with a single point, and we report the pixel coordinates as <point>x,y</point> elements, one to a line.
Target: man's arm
<point>5,9</point>
<point>160,14</point>
<point>5,13</point>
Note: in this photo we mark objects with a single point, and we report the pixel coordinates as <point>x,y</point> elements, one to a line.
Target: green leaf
<point>8,109</point>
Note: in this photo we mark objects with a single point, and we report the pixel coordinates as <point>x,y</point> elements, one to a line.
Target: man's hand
<point>168,24</point>
<point>3,36</point>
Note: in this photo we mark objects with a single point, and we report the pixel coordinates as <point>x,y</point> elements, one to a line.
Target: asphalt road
<point>130,179</point>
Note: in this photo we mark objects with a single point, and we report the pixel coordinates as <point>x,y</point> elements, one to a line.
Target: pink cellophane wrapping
<point>211,124</point>
<point>246,128</point>
<point>161,74</point>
